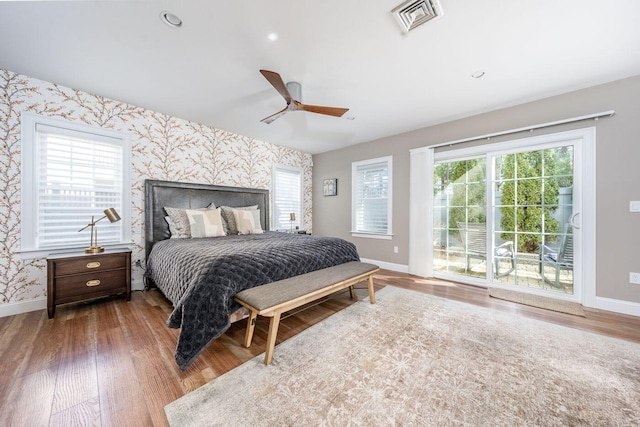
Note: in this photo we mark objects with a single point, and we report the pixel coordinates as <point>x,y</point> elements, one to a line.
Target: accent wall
<point>163,147</point>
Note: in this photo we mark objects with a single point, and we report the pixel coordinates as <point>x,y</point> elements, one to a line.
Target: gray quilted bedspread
<point>201,277</point>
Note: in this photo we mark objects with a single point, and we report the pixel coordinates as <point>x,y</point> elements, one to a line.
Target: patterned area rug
<point>538,301</point>
<point>418,360</point>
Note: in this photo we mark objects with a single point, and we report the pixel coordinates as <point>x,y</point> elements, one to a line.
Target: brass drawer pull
<point>93,264</point>
<point>94,282</point>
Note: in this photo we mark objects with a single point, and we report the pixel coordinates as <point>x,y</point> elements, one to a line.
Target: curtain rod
<point>594,116</point>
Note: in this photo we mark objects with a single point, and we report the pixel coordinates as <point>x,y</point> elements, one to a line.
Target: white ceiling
<point>346,53</point>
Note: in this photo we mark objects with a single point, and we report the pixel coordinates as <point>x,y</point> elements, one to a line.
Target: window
<point>371,209</point>
<point>287,197</point>
<point>71,172</point>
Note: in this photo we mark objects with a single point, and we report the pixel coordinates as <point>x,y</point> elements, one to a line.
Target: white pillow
<point>246,223</point>
<point>206,223</point>
<point>256,220</point>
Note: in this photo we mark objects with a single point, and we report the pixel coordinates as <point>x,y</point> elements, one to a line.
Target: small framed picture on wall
<point>330,187</point>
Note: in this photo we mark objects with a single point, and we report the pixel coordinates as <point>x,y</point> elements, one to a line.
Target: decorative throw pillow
<point>207,223</point>
<point>224,221</point>
<point>180,221</point>
<point>245,221</point>
<point>227,214</point>
<point>172,227</point>
<point>256,220</point>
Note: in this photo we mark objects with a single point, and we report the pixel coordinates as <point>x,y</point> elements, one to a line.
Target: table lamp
<point>94,248</point>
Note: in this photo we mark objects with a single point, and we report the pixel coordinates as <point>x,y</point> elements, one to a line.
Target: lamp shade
<point>292,216</point>
<point>112,215</point>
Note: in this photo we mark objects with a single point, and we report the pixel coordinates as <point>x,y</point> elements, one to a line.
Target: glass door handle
<point>572,221</point>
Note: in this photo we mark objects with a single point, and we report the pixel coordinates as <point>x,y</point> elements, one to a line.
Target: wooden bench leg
<point>352,292</point>
<point>251,324</point>
<point>271,338</point>
<point>372,295</point>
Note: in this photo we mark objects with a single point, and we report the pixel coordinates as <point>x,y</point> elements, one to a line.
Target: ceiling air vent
<point>413,13</point>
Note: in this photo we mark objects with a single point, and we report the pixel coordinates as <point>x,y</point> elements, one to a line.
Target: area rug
<point>538,301</point>
<point>417,360</point>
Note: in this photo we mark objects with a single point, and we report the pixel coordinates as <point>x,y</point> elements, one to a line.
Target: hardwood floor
<point>110,363</point>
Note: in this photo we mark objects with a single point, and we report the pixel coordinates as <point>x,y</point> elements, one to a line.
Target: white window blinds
<point>371,213</point>
<point>287,197</point>
<point>79,176</point>
<point>72,175</point>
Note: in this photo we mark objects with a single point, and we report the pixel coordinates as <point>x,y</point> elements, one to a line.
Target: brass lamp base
<point>94,250</point>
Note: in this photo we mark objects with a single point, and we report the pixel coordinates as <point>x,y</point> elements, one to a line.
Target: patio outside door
<point>507,218</point>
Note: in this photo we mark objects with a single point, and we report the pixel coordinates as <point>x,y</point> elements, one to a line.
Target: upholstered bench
<point>272,299</point>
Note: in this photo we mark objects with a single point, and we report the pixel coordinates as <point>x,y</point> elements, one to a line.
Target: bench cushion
<point>275,293</point>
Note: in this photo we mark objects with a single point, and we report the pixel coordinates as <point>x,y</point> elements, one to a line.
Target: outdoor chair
<point>560,258</point>
<point>474,240</point>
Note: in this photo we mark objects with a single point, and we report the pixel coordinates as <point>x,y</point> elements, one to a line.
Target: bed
<point>200,276</point>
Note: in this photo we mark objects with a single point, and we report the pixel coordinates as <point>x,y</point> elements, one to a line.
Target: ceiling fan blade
<point>278,84</point>
<point>272,117</point>
<point>293,104</point>
<point>329,111</point>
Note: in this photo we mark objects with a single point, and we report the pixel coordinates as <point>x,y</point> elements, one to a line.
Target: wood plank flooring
<point>110,363</point>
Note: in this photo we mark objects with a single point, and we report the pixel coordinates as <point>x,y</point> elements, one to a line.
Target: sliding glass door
<point>460,198</point>
<point>508,216</point>
<point>533,210</point>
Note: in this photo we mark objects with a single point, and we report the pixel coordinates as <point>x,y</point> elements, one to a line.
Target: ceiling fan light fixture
<point>170,19</point>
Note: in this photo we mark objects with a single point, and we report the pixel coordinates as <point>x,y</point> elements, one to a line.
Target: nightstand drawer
<point>88,264</point>
<point>84,284</point>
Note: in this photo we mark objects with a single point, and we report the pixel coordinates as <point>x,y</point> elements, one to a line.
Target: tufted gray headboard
<point>159,194</point>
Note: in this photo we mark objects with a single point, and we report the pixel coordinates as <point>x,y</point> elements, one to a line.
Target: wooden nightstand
<point>72,278</point>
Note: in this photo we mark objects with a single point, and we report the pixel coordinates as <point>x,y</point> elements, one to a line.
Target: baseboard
<point>388,265</point>
<point>601,303</point>
<point>137,285</point>
<point>14,308</point>
<point>617,306</point>
<point>609,304</point>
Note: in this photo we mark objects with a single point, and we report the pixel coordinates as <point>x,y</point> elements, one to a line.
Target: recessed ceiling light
<point>477,74</point>
<point>272,37</point>
<point>170,19</point>
<point>350,118</point>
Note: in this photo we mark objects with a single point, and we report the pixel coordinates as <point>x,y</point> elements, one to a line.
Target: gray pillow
<point>172,228</point>
<point>227,215</point>
<point>181,220</point>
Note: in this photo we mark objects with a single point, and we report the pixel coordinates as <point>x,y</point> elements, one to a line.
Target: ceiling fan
<point>291,92</point>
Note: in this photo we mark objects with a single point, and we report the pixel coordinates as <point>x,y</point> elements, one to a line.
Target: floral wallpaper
<point>163,147</point>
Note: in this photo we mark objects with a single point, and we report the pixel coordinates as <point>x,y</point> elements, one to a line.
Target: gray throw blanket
<point>201,277</point>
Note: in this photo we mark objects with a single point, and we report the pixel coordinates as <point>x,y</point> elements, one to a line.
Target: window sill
<point>44,253</point>
<point>371,235</point>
